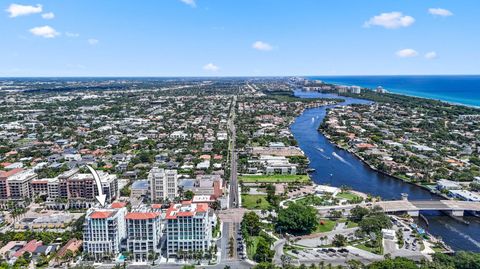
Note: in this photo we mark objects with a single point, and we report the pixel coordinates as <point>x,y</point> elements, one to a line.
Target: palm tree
<point>180,253</point>
<point>152,257</point>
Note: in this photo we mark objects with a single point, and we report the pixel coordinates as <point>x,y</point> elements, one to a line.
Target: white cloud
<point>93,41</point>
<point>406,53</point>
<point>431,55</point>
<point>392,20</point>
<point>211,67</point>
<point>69,34</point>
<point>16,10</point>
<point>260,45</point>
<point>440,12</point>
<point>44,31</point>
<point>189,2</point>
<point>48,16</point>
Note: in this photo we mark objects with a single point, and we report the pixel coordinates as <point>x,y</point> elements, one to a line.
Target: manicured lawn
<point>311,199</point>
<point>251,201</point>
<point>252,243</point>
<point>275,178</point>
<point>352,224</point>
<point>327,226</point>
<point>347,195</point>
<point>369,249</point>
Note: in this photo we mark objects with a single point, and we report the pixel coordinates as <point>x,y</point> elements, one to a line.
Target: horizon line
<point>236,76</point>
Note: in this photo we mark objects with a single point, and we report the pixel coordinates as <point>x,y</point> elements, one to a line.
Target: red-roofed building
<point>101,214</point>
<point>156,206</point>
<point>30,247</point>
<point>364,146</point>
<point>73,245</point>
<point>144,233</point>
<point>180,218</point>
<point>103,231</point>
<point>118,205</point>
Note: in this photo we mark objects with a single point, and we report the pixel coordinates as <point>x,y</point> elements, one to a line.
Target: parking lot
<point>334,256</point>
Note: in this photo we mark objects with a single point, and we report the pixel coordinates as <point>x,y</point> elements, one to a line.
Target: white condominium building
<point>144,232</point>
<point>103,232</point>
<point>188,228</point>
<point>163,184</point>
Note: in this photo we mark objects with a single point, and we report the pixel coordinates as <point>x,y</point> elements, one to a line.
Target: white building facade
<point>104,230</point>
<point>163,184</point>
<point>144,233</point>
<point>188,228</point>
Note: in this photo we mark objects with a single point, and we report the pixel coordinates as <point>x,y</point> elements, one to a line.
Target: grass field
<point>348,196</point>
<point>369,249</point>
<point>252,246</point>
<point>274,178</point>
<point>352,224</point>
<point>327,226</point>
<point>250,201</point>
<point>311,199</point>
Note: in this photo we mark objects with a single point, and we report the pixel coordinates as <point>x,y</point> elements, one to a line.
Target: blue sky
<point>238,37</point>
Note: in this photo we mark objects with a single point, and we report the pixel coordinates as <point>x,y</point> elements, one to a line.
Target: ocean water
<point>458,89</point>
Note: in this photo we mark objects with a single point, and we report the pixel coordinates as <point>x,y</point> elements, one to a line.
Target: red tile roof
<point>141,215</point>
<point>118,205</point>
<point>29,247</point>
<point>72,245</point>
<point>202,207</point>
<point>5,174</point>
<point>174,211</point>
<point>101,214</point>
<point>156,206</point>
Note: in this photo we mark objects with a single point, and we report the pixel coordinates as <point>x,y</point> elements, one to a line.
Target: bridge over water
<point>413,208</point>
<point>453,207</point>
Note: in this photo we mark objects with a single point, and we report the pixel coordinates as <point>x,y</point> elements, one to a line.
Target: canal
<point>337,167</point>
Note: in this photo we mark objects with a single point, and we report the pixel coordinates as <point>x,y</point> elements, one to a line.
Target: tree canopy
<point>297,219</point>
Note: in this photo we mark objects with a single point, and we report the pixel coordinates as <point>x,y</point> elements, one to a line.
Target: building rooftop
<point>101,214</point>
<point>6,174</point>
<point>186,209</point>
<point>118,205</point>
<point>140,185</point>
<point>141,215</point>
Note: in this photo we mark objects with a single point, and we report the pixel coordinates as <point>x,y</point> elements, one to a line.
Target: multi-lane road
<point>233,192</point>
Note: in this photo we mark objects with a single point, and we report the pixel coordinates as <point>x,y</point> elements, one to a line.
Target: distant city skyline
<point>238,38</point>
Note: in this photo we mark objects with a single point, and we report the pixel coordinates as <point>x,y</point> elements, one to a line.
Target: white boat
<point>334,154</point>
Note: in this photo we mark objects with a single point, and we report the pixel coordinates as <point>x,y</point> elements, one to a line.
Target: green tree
<point>188,195</point>
<point>297,219</point>
<point>251,224</point>
<point>375,222</point>
<point>339,240</point>
<point>264,265</point>
<point>357,213</point>
<point>396,263</point>
<point>263,253</point>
